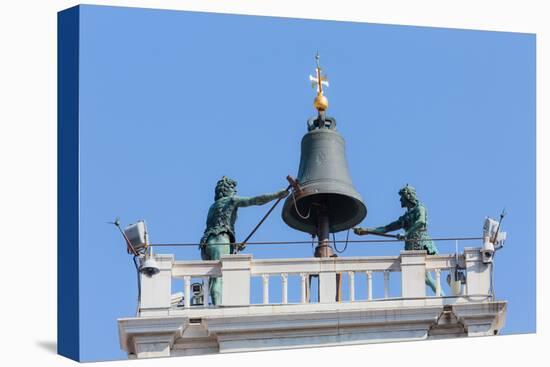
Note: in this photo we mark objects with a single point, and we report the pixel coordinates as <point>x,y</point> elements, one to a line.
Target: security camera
<point>149,267</point>
<point>487,252</point>
<point>493,239</point>
<point>196,288</point>
<point>198,295</point>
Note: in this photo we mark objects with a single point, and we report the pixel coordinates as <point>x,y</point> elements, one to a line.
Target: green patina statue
<point>415,224</point>
<point>219,236</point>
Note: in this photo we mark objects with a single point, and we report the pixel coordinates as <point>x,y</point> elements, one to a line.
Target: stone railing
<point>238,271</point>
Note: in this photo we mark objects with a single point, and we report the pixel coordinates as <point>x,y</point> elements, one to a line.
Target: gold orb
<point>320,102</point>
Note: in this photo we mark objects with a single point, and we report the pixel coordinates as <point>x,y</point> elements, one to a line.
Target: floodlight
<point>138,236</point>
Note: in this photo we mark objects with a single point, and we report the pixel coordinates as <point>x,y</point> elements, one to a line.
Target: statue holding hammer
<point>415,224</point>
<point>219,236</point>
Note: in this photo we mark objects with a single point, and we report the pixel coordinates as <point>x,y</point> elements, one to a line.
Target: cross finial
<point>320,80</point>
<point>320,102</point>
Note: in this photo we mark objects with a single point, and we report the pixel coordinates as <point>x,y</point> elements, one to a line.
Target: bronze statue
<point>415,224</point>
<point>219,236</point>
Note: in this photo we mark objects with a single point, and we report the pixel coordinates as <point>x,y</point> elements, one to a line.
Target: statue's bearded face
<point>405,202</point>
<point>226,187</point>
<point>408,197</point>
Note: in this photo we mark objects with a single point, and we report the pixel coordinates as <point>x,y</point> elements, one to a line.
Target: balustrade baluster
<point>438,282</point>
<point>284,279</point>
<point>386,283</point>
<point>265,281</point>
<point>303,287</point>
<point>369,285</point>
<point>351,276</point>
<point>187,291</point>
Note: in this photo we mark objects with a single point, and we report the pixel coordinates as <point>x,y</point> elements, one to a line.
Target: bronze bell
<point>327,201</point>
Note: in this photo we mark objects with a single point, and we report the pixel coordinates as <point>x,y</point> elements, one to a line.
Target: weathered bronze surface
<point>415,224</point>
<point>324,178</point>
<point>219,236</point>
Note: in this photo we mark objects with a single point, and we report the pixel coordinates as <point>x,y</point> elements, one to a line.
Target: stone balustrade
<point>238,272</point>
<point>287,313</point>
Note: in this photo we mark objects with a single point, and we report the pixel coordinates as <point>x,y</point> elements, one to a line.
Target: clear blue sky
<point>170,101</point>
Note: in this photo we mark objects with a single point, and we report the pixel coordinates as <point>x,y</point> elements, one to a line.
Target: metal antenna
<point>317,57</point>
<point>502,215</point>
<point>116,222</point>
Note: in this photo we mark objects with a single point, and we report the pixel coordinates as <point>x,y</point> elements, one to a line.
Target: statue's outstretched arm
<point>260,199</point>
<point>393,226</point>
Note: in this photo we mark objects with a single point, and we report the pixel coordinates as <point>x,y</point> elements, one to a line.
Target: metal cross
<point>320,80</point>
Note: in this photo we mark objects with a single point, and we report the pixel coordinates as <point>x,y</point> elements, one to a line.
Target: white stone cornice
<point>234,329</point>
<point>167,328</point>
<point>332,320</point>
<point>481,319</point>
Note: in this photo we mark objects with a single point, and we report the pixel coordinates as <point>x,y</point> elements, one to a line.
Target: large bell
<point>325,182</point>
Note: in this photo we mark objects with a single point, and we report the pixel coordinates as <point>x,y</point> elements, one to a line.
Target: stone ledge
<point>252,328</point>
